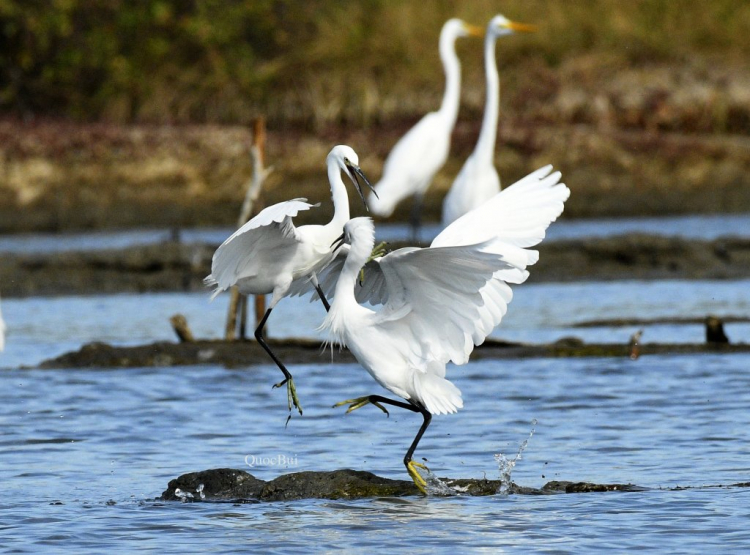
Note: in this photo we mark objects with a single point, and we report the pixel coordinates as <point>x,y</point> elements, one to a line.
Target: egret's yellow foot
<point>416,476</point>
<point>291,393</point>
<point>359,402</point>
<point>379,250</point>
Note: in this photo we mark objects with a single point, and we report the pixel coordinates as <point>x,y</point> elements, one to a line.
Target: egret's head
<point>455,28</point>
<point>348,162</point>
<point>501,25</point>
<point>359,231</point>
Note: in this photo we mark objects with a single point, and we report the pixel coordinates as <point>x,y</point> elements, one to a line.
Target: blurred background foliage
<point>319,62</point>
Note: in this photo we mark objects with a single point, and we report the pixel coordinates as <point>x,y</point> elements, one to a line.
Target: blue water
<point>708,227</point>
<point>85,452</point>
<point>40,328</point>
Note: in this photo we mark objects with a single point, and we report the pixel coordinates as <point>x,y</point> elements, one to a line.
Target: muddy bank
<point>238,354</point>
<point>181,267</point>
<point>237,486</point>
<point>58,176</point>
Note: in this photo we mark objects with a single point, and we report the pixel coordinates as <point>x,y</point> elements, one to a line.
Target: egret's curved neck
<point>339,196</point>
<point>452,67</point>
<point>485,148</point>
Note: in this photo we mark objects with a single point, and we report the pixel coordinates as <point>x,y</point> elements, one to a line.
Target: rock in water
<point>230,485</point>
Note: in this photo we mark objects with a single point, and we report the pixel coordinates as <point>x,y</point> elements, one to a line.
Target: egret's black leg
<point>288,380</point>
<point>322,297</point>
<point>378,401</point>
<point>427,419</point>
<point>415,219</point>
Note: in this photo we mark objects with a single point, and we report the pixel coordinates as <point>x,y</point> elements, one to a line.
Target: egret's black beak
<point>336,245</point>
<point>355,173</point>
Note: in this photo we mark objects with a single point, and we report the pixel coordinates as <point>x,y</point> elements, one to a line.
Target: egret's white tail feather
<point>438,395</point>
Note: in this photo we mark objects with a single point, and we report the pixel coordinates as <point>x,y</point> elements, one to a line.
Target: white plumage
<point>478,180</point>
<point>418,155</point>
<point>438,302</point>
<point>268,254</point>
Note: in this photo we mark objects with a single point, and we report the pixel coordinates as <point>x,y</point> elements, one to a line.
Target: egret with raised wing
<point>438,302</point>
<point>478,181</point>
<point>418,155</point>
<point>269,254</point>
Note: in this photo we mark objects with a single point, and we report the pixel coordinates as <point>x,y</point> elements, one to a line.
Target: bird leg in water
<point>411,466</point>
<point>291,390</point>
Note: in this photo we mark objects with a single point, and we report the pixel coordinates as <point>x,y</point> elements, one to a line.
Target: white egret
<point>428,142</point>
<point>2,332</point>
<point>478,180</point>
<point>439,302</point>
<point>268,254</point>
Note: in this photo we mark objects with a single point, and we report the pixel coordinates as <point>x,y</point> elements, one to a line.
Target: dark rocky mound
<point>230,485</point>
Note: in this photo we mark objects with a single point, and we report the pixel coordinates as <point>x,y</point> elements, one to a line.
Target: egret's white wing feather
<point>435,293</point>
<point>270,231</point>
<point>517,216</point>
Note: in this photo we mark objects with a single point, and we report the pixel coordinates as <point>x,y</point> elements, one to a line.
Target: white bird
<point>438,302</point>
<point>478,181</point>
<point>2,332</point>
<point>268,254</point>
<point>428,142</point>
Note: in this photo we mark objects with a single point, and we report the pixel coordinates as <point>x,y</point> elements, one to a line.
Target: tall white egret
<point>2,332</point>
<point>478,181</point>
<point>268,254</point>
<point>438,302</point>
<point>418,155</point>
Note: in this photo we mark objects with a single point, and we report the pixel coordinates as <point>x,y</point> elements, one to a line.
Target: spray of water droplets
<point>505,465</point>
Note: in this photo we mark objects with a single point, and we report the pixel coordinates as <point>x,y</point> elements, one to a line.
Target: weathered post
<point>250,207</point>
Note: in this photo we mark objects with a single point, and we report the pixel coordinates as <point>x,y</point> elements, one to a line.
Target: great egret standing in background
<point>418,155</point>
<point>268,254</point>
<point>439,301</point>
<point>478,180</point>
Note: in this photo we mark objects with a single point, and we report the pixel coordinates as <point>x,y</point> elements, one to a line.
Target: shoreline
<point>175,266</point>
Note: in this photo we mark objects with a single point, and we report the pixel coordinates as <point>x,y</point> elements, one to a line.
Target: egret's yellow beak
<point>473,30</point>
<point>521,27</point>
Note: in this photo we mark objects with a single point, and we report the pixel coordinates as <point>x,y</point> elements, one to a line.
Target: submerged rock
<point>230,485</point>
<point>244,353</point>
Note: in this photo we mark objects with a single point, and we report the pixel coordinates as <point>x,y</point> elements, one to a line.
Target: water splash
<point>505,465</point>
<point>436,486</point>
<point>184,496</point>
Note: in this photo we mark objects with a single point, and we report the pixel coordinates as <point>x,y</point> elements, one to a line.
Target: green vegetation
<point>320,62</point>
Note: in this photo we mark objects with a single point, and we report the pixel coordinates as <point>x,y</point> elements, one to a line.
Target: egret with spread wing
<point>428,142</point>
<point>268,254</point>
<point>478,181</point>
<point>438,302</point>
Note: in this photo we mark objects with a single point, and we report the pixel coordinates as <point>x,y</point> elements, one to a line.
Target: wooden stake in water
<point>250,207</point>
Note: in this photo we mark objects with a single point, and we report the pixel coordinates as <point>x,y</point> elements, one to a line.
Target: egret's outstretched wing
<point>436,294</point>
<point>268,232</point>
<point>512,220</point>
<point>517,216</point>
